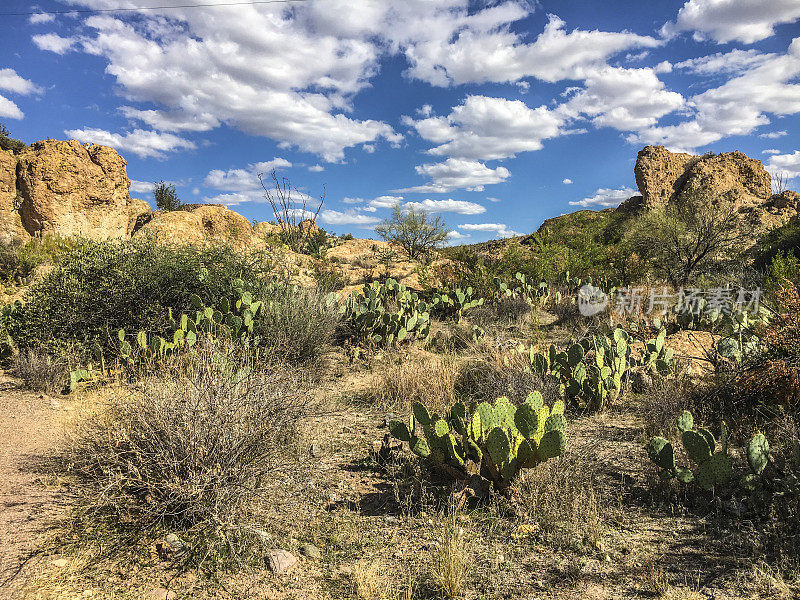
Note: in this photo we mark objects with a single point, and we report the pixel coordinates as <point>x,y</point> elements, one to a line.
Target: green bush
<point>102,287</point>
<point>9,143</point>
<point>18,261</point>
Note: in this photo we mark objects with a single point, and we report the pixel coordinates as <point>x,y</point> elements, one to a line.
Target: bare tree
<point>290,207</point>
<point>779,183</point>
<point>688,236</point>
<point>414,230</point>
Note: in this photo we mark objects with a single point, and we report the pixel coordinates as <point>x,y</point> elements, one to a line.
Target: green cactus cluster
<point>451,304</point>
<point>496,441</point>
<point>712,467</point>
<point>385,313</point>
<point>521,288</point>
<point>656,356</point>
<point>590,372</point>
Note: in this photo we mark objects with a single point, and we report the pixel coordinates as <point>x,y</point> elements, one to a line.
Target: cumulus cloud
<point>171,120</point>
<point>40,18</point>
<point>499,229</point>
<point>723,21</point>
<point>316,168</point>
<point>243,180</point>
<point>52,42</point>
<point>461,207</point>
<point>485,128</point>
<point>770,151</point>
<point>734,61</point>
<point>787,165</point>
<point>567,181</point>
<point>772,135</point>
<point>9,110</point>
<point>335,217</point>
<point>606,197</point>
<point>141,187</point>
<point>737,107</point>
<point>145,144</point>
<point>456,174</point>
<point>10,81</point>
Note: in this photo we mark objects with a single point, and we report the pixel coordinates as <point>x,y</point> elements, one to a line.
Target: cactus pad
<point>685,421</point>
<point>498,446</point>
<point>399,430</point>
<point>553,444</point>
<point>696,446</point>
<point>661,453</point>
<point>758,453</point>
<point>535,400</point>
<point>527,420</point>
<point>555,422</point>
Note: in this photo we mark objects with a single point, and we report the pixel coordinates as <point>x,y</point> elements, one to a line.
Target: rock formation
<point>70,189</point>
<point>10,221</point>
<point>660,174</point>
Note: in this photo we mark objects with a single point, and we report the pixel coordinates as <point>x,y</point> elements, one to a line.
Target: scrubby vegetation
<point>518,422</point>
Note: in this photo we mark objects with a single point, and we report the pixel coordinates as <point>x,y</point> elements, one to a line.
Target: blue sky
<point>497,115</point>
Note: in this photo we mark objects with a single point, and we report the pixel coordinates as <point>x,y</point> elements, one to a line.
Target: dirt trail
<point>30,427</point>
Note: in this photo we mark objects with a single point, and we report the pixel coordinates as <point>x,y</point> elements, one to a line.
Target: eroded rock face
<point>11,228</point>
<point>201,224</point>
<point>69,189</point>
<point>664,176</point>
<point>660,174</point>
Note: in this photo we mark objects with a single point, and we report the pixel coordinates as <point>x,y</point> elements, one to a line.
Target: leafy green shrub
<point>166,197</point>
<point>9,143</point>
<point>19,261</point>
<point>493,442</point>
<point>783,267</point>
<point>102,287</point>
<point>417,232</point>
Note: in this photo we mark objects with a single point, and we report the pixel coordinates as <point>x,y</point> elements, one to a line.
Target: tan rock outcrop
<point>660,174</point>
<point>70,189</point>
<point>731,175</point>
<point>202,224</point>
<point>11,228</point>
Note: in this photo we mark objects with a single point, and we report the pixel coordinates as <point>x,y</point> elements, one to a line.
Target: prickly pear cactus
<point>498,439</point>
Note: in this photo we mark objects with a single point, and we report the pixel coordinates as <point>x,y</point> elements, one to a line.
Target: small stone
<point>315,451</point>
<point>310,551</point>
<point>280,561</point>
<point>175,542</point>
<point>60,563</point>
<point>161,594</point>
<point>55,404</point>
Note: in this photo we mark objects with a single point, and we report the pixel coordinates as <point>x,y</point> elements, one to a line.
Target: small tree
<point>9,143</point>
<point>292,211</point>
<point>166,196</point>
<point>414,230</point>
<point>689,236</point>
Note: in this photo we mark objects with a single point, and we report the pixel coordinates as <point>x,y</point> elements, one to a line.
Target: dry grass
<point>559,497</point>
<point>374,580</point>
<point>662,404</point>
<point>452,560</point>
<point>429,379</point>
<point>490,377</point>
<point>40,371</point>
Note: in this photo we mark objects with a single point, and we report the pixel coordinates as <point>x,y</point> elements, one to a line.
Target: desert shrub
<point>784,239</point>
<point>9,143</point>
<point>18,261</point>
<point>561,497</point>
<point>417,232</point>
<point>40,371</point>
<point>783,268</point>
<point>101,287</point>
<point>665,399</point>
<point>194,446</point>
<point>166,197</point>
<point>430,380</point>
<point>297,323</point>
<point>492,378</point>
<point>452,560</point>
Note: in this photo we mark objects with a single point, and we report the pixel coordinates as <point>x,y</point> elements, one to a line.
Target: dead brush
<point>560,497</point>
<point>490,377</point>
<point>41,372</point>
<point>427,379</point>
<point>452,559</point>
<point>193,446</point>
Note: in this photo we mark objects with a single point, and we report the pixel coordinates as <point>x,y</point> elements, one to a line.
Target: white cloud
<point>492,199</point>
<point>734,61</point>
<point>141,187</point>
<point>772,135</point>
<point>484,128</point>
<point>745,21</point>
<point>9,110</point>
<point>456,174</point>
<point>625,99</point>
<point>787,165</point>
<point>462,207</point>
<point>11,82</point>
<point>770,151</point>
<point>492,53</point>
<point>737,107</point>
<point>52,42</point>
<point>230,199</point>
<point>335,217</point>
<point>605,197</point>
<point>316,168</point>
<point>454,235</point>
<point>499,229</point>
<point>145,144</point>
<point>40,18</point>
<point>243,180</point>
<point>385,201</point>
<point>567,181</point>
<point>267,70</point>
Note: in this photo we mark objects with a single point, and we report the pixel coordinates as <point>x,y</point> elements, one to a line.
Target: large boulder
<point>70,189</point>
<point>11,228</point>
<point>201,224</point>
<point>732,176</point>
<point>660,174</point>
